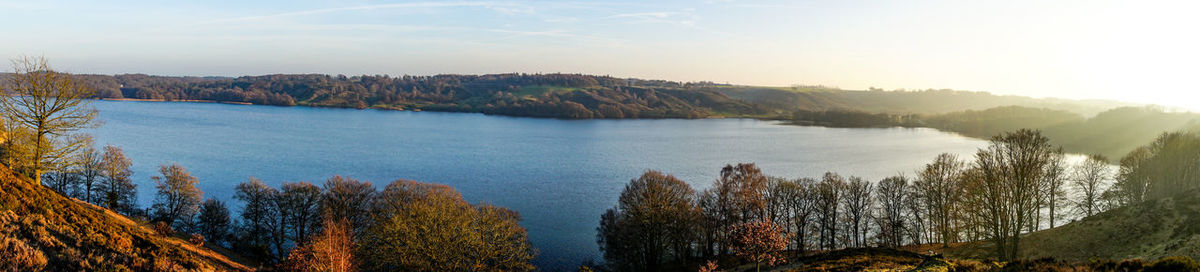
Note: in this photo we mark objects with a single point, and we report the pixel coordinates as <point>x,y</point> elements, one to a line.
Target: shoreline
<point>431,110</point>
<point>180,100</point>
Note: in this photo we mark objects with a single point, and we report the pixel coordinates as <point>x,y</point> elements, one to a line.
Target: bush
<point>1131,265</point>
<point>1174,263</point>
<point>196,239</point>
<point>18,256</point>
<point>971,266</point>
<point>164,229</point>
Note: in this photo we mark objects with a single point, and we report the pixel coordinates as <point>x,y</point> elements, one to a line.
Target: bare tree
<point>1132,183</point>
<point>857,205</point>
<point>940,185</point>
<point>350,199</point>
<point>257,215</point>
<point>1010,169</point>
<point>117,191</point>
<point>653,224</point>
<point>916,208</point>
<point>891,196</point>
<point>178,199</point>
<point>213,221</point>
<point>1053,185</point>
<point>829,194</point>
<point>53,106</point>
<point>804,207</point>
<point>91,168</point>
<point>1087,178</point>
<point>740,196</point>
<point>298,206</point>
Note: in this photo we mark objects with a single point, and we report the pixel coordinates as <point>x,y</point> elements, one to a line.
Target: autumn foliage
<point>759,242</point>
<point>331,250</point>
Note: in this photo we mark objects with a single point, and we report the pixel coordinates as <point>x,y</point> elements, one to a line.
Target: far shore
<point>177,100</point>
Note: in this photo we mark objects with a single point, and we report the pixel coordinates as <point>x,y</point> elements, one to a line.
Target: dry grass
<point>43,230</point>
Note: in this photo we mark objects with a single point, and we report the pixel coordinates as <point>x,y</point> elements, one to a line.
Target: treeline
<point>342,224</point>
<point>536,95</point>
<point>1112,133</point>
<point>1018,184</point>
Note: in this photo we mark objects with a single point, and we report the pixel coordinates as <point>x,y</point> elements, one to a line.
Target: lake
<point>559,174</point>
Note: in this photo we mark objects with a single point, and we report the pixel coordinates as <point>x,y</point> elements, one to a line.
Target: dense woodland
<point>536,95</point>
<point>555,95</point>
<point>1019,184</point>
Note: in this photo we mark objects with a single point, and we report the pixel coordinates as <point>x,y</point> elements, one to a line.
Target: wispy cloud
<point>686,19</point>
<point>493,5</point>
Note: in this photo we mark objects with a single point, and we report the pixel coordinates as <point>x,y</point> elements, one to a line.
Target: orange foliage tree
<point>759,242</point>
<point>327,251</point>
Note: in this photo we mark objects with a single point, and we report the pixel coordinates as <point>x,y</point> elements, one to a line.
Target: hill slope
<point>903,102</point>
<point>41,230</point>
<point>1155,229</point>
<point>557,95</point>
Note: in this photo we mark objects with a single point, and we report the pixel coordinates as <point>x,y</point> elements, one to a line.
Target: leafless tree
<point>890,195</point>
<point>178,199</point>
<point>1088,177</point>
<point>829,194</point>
<point>857,204</point>
<point>940,185</point>
<point>1010,169</point>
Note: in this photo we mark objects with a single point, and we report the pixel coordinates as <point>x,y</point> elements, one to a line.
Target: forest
<point>570,96</point>
<point>1017,185</point>
<point>573,96</point>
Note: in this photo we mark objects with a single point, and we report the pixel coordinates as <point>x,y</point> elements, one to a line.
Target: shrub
<point>710,266</point>
<point>18,256</point>
<point>164,229</point>
<point>196,239</point>
<point>970,266</point>
<point>1174,263</point>
<point>1131,265</point>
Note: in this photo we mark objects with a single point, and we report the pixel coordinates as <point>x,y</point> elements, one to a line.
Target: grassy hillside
<point>1148,231</point>
<point>1166,227</point>
<point>903,102</point>
<point>1112,133</point>
<point>41,230</point>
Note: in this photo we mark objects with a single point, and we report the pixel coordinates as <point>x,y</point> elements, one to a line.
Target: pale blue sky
<point>1143,51</point>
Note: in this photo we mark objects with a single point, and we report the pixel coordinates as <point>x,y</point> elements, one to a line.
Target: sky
<point>1137,51</point>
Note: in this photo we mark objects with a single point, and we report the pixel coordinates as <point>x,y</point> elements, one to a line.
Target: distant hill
<point>534,95</point>
<point>558,95</point>
<point>1148,231</point>
<point>1112,133</point>
<point>41,230</point>
<point>816,98</point>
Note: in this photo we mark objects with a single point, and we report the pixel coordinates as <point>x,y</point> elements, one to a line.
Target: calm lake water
<point>559,174</point>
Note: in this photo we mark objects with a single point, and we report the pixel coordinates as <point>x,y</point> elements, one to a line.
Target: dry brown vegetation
<point>43,230</point>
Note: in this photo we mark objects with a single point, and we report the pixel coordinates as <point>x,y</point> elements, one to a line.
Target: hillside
<point>1148,231</point>
<point>41,230</point>
<point>903,102</point>
<point>1112,133</point>
<point>534,95</point>
<point>573,96</point>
